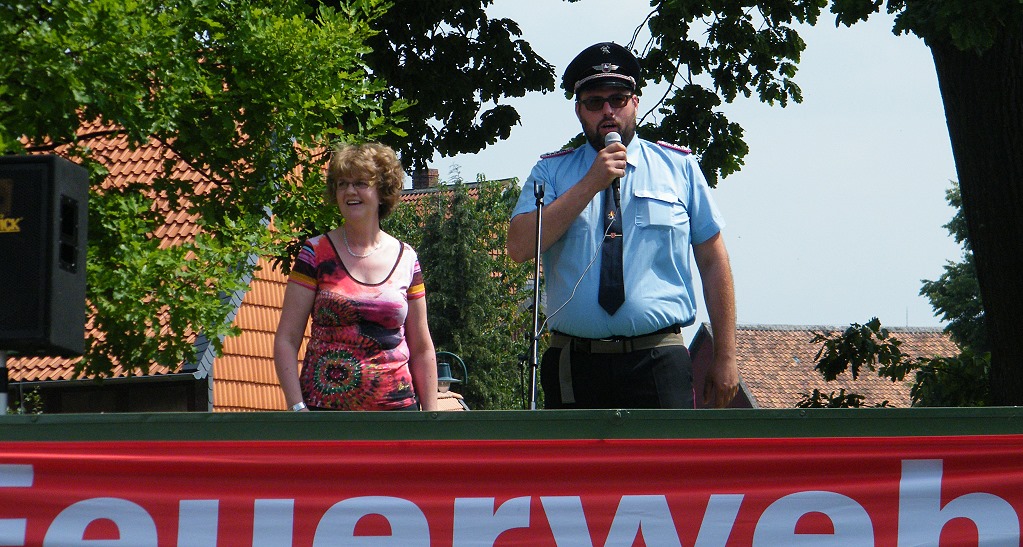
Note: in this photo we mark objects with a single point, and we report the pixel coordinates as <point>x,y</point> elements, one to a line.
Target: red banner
<point>848,492</point>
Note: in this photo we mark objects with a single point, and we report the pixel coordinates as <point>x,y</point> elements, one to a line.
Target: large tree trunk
<point>983,98</point>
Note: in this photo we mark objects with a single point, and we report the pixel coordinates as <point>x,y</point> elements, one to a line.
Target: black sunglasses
<point>593,104</point>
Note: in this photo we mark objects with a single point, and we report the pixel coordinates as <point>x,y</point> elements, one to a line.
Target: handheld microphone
<point>617,182</point>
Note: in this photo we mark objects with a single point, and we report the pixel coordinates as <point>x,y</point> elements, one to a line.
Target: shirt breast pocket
<point>659,209</point>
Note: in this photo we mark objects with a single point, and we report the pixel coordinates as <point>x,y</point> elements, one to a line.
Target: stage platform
<point>515,424</point>
<point>816,477</point>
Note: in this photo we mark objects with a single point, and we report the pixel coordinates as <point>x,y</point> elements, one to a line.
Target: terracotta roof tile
<point>244,377</point>
<point>776,363</point>
<point>255,344</point>
<point>247,396</point>
<point>258,318</point>
<point>246,369</point>
<point>34,369</point>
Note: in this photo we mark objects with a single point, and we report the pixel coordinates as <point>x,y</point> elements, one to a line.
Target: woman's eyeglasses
<point>358,185</point>
<point>593,104</point>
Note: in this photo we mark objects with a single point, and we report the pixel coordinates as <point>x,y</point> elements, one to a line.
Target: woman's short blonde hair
<point>372,162</point>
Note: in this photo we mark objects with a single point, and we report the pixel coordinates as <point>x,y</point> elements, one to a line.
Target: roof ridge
<point>775,327</point>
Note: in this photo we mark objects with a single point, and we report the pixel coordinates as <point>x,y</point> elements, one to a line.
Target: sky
<point>838,212</point>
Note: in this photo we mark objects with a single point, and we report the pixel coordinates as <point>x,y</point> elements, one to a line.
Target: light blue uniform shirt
<point>666,207</point>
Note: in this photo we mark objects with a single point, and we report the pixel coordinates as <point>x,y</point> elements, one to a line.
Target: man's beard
<point>627,132</point>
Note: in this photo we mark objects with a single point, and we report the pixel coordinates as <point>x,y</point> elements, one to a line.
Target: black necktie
<point>612,287</point>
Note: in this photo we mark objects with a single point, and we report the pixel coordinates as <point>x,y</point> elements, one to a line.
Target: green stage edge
<point>514,424</point>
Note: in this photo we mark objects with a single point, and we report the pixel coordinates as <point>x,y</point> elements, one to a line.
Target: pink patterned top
<point>357,358</point>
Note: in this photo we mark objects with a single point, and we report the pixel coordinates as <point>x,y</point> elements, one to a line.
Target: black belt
<point>669,336</point>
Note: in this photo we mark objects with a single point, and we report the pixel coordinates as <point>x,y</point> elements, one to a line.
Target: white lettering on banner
<point>477,523</point>
<point>134,524</point>
<point>648,516</point>
<point>197,523</point>
<point>722,510</point>
<point>273,523</point>
<point>12,531</point>
<point>567,519</point>
<point>921,516</point>
<point>777,526</point>
<point>921,519</point>
<point>409,527</point>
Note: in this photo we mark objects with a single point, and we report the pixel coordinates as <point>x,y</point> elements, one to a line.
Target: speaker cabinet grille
<point>43,231</point>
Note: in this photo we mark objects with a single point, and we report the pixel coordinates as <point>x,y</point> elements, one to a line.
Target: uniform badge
<point>675,147</point>
<point>556,153</point>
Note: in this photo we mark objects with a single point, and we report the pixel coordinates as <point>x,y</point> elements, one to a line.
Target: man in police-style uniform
<point>609,349</point>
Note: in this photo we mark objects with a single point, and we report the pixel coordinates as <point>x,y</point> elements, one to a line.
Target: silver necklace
<point>344,237</point>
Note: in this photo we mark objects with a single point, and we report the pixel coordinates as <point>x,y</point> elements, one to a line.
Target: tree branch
<point>55,145</point>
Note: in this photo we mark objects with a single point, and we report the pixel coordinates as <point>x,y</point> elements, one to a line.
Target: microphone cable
<point>578,282</point>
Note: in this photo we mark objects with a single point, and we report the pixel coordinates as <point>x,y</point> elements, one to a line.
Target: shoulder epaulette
<point>676,147</point>
<point>556,153</point>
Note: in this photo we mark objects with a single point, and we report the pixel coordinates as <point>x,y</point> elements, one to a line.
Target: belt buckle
<point>581,345</point>
<point>621,344</point>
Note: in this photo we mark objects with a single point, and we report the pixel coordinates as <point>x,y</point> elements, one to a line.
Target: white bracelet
<point>298,406</point>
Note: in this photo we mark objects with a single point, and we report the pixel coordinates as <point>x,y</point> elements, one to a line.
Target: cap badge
<point>606,49</point>
<point>605,67</point>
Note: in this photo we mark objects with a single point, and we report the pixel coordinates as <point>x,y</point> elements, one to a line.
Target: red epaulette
<point>682,149</point>
<point>561,152</point>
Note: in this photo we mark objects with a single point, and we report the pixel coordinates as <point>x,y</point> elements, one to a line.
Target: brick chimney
<point>424,178</point>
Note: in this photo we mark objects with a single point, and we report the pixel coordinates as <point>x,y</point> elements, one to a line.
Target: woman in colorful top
<point>370,347</point>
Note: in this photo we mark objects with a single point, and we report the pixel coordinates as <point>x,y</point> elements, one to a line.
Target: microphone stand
<point>3,382</point>
<point>534,340</point>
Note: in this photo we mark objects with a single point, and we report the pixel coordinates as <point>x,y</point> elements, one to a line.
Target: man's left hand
<point>722,383</point>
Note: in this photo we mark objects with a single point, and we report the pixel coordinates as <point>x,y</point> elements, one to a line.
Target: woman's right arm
<point>298,303</point>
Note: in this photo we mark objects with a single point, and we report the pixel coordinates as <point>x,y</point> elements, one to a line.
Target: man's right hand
<point>609,165</point>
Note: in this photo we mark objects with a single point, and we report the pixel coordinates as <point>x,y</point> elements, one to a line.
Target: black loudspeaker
<point>43,224</point>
